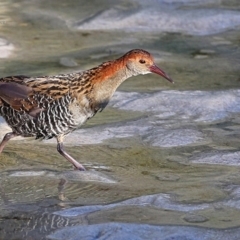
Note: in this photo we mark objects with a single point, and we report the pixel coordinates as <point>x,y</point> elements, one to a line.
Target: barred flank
<point>54,119</point>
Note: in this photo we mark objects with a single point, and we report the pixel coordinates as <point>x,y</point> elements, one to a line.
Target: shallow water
<point>163,158</point>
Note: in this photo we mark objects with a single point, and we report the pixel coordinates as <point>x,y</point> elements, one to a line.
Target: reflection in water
<point>159,154</point>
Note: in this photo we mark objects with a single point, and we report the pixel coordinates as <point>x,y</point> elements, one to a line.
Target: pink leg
<point>6,138</point>
<point>60,149</point>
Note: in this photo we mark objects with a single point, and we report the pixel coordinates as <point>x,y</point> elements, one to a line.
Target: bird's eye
<point>142,61</point>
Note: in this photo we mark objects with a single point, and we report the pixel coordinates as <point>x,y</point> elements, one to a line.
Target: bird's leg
<point>60,149</point>
<point>6,138</point>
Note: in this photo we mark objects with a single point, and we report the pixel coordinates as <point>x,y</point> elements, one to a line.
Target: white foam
<point>27,173</point>
<point>159,18</point>
<point>205,106</point>
<point>97,135</point>
<point>120,230</point>
<point>6,48</point>
<point>4,128</point>
<point>219,157</point>
<point>175,137</point>
<point>163,201</point>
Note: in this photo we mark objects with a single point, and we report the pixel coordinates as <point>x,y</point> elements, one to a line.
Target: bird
<point>54,106</point>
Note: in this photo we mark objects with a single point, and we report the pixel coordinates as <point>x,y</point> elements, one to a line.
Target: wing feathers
<point>16,96</point>
<point>14,93</point>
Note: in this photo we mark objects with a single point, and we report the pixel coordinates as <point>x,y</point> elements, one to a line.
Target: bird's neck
<point>94,88</point>
<point>107,79</point>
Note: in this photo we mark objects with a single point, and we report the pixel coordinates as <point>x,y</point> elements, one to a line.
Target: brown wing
<point>13,93</point>
<point>20,92</point>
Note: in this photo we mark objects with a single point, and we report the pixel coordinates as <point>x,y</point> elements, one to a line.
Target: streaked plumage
<point>54,106</point>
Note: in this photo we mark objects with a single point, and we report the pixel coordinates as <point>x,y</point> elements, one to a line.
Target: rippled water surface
<point>163,158</point>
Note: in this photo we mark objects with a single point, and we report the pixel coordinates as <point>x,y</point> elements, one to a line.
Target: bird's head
<point>139,61</point>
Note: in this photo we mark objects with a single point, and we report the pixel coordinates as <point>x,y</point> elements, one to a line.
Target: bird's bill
<point>157,70</point>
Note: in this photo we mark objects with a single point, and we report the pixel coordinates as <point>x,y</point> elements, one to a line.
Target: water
<point>163,158</point>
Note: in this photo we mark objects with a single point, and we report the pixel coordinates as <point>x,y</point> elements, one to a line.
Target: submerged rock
<point>123,231</point>
<point>168,18</point>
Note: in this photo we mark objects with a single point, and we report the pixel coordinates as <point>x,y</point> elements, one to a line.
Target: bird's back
<point>43,107</point>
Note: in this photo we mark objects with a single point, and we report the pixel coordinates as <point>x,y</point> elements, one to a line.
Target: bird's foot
<point>80,167</point>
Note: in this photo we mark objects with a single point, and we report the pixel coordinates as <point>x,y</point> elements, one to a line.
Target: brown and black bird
<point>54,106</point>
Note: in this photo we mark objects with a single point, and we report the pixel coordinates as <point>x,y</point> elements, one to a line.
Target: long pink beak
<point>157,70</point>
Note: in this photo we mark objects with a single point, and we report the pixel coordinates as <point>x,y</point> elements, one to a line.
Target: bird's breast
<point>81,111</point>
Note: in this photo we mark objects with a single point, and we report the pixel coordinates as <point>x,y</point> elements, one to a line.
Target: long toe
<point>80,167</point>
